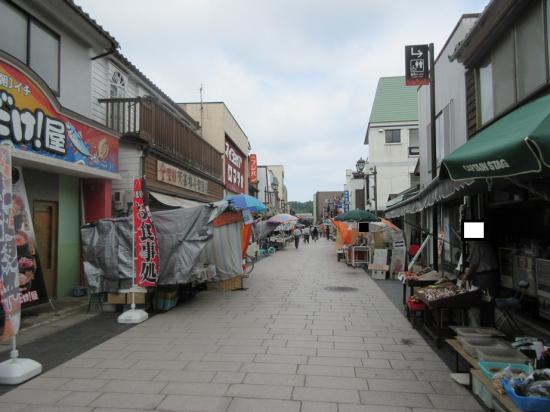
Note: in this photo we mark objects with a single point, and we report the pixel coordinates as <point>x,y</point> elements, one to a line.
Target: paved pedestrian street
<point>285,344</point>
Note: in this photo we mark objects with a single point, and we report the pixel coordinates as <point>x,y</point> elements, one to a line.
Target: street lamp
<point>360,166</point>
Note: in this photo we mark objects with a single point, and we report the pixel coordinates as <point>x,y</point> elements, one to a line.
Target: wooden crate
<point>233,283</point>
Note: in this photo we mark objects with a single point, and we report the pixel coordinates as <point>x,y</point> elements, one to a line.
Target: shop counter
<point>414,283</point>
<point>461,353</point>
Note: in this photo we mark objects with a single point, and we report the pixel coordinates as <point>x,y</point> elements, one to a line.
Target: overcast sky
<point>298,75</point>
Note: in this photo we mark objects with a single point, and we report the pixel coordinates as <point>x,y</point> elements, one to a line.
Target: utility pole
<point>435,231</point>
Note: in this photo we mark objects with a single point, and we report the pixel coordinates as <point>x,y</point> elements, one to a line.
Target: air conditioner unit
<point>121,198</point>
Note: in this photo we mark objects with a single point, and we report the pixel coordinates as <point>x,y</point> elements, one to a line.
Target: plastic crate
<point>527,403</point>
<point>487,366</point>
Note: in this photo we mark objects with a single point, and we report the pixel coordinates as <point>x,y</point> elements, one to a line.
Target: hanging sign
<point>416,65</point>
<point>234,167</point>
<point>253,166</point>
<point>9,285</point>
<point>145,240</point>
<point>31,122</point>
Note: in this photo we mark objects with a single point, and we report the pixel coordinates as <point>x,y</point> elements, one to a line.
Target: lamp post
<point>275,187</point>
<point>360,167</point>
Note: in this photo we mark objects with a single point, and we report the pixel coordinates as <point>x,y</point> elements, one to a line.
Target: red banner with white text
<point>146,243</point>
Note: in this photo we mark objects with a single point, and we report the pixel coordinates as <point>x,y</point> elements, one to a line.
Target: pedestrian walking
<point>306,234</point>
<point>327,232</point>
<point>315,233</point>
<point>297,233</point>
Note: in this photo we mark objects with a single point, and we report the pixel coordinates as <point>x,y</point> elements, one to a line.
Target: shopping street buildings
<point>66,161</point>
<point>392,137</point>
<point>326,205</point>
<point>272,189</point>
<point>492,144</point>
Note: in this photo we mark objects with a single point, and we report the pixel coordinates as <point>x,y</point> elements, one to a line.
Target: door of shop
<point>46,226</point>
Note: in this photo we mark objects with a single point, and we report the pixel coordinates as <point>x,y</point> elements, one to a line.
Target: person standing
<point>297,233</point>
<point>482,271</point>
<point>306,234</point>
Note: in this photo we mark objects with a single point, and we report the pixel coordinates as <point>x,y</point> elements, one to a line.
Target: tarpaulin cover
<point>344,231</point>
<point>224,250</point>
<point>182,236</point>
<point>264,229</point>
<point>246,232</point>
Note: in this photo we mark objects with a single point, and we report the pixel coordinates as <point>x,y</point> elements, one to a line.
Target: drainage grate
<point>341,289</point>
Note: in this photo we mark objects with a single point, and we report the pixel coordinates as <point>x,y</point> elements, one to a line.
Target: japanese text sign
<point>30,121</point>
<point>253,168</point>
<point>176,177</point>
<point>417,71</point>
<point>9,285</point>
<point>146,243</point>
<point>234,167</point>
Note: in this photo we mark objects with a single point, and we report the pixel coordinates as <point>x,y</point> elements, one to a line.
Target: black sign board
<point>417,71</point>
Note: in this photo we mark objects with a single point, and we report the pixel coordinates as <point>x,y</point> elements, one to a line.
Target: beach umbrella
<point>246,202</point>
<point>283,218</point>
<point>358,215</point>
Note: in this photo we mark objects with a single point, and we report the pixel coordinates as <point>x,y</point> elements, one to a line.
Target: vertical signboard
<point>145,241</point>
<point>253,168</point>
<point>234,167</point>
<point>346,201</point>
<point>416,65</point>
<point>9,286</point>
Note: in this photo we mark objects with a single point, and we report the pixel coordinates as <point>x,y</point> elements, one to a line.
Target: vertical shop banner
<point>32,288</point>
<point>234,167</point>
<point>253,168</point>
<point>9,286</point>
<point>146,243</point>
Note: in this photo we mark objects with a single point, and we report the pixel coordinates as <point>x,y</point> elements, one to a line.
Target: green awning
<point>516,144</point>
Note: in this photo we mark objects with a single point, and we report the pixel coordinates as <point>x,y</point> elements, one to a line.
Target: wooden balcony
<point>143,117</point>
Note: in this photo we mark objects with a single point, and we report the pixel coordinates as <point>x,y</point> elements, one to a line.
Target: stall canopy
<point>516,144</point>
<point>358,215</point>
<point>174,201</point>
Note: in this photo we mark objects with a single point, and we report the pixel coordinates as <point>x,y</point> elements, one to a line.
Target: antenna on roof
<point>202,108</point>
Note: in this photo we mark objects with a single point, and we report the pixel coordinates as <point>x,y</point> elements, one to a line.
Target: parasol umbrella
<point>282,218</point>
<point>358,215</point>
<point>246,202</point>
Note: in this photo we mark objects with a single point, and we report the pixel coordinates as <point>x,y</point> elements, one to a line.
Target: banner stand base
<point>133,316</point>
<point>17,370</point>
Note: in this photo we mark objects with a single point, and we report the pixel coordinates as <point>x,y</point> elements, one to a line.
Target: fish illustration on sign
<point>76,140</point>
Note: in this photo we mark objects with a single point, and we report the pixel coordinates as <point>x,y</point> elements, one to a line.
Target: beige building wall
<point>216,122</point>
<point>279,173</point>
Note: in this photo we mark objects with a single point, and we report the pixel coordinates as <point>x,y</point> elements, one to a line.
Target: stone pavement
<point>285,344</point>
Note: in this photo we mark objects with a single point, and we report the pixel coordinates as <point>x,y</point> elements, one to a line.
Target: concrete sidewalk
<point>285,344</point>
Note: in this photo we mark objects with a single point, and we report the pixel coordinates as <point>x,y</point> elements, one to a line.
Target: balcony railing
<point>145,118</point>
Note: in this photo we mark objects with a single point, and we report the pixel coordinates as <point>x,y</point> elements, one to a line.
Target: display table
<point>461,353</point>
<point>503,399</point>
<point>414,283</point>
<point>436,309</point>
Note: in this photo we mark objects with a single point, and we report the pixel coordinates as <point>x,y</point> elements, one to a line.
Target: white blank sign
<point>473,230</point>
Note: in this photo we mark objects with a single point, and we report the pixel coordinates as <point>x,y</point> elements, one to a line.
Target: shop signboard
<point>31,122</point>
<point>416,65</point>
<point>253,168</point>
<point>175,176</point>
<point>145,241</point>
<point>9,287</point>
<point>21,283</point>
<point>234,167</point>
<point>346,201</point>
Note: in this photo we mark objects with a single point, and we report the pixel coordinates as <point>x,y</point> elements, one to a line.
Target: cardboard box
<point>116,298</point>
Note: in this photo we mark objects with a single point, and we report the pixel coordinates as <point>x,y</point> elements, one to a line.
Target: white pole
<point>414,259</point>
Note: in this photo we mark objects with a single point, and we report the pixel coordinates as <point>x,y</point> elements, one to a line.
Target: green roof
<point>394,102</point>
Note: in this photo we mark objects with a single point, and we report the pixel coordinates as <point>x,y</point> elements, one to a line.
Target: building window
<point>31,42</point>
<point>118,85</point>
<point>440,137</point>
<point>13,31</point>
<point>393,136</point>
<point>504,75</point>
<point>413,142</point>
<point>530,56</point>
<point>485,88</point>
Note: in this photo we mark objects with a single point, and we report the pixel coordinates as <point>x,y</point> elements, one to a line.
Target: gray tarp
<point>263,229</point>
<point>182,236</point>
<point>224,251</point>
